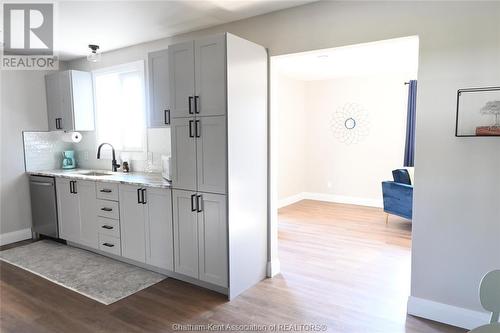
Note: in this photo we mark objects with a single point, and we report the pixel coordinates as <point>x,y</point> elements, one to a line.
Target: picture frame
<point>478,112</point>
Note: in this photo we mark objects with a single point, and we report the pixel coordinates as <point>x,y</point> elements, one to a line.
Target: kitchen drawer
<point>107,191</point>
<point>109,244</point>
<point>108,227</point>
<point>109,209</point>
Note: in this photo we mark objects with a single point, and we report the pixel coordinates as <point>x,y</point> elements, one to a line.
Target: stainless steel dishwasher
<point>44,206</point>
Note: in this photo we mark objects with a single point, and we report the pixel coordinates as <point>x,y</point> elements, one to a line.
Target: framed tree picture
<point>478,112</point>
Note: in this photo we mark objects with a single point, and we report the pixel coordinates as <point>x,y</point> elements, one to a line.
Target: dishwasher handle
<point>41,183</point>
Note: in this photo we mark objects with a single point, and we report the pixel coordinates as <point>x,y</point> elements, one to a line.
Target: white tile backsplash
<point>43,150</point>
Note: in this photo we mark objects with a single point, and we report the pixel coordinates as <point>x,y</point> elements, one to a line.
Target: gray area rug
<point>100,278</point>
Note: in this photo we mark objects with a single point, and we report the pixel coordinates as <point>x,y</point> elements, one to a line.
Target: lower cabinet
<point>88,216</point>
<point>159,233</point>
<point>200,236</point>
<point>146,225</point>
<point>76,202</point>
<point>132,223</point>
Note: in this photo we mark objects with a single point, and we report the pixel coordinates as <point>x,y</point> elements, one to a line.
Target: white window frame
<point>140,65</point>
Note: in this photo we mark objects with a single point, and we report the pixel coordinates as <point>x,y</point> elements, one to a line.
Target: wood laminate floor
<point>342,267</point>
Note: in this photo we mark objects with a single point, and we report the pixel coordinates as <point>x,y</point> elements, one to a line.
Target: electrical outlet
<point>329,184</point>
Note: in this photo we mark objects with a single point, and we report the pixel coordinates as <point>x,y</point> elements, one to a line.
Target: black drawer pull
<point>107,227</point>
<point>105,190</point>
<point>106,209</point>
<point>108,244</point>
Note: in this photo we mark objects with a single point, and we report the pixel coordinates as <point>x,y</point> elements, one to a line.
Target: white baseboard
<point>15,236</point>
<point>290,200</point>
<point>448,314</point>
<point>330,198</point>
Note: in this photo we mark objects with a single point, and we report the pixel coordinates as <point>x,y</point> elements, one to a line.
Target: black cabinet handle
<point>190,101</point>
<point>196,109</point>
<point>193,203</point>
<point>167,116</point>
<point>197,128</point>
<point>139,196</point>
<point>191,135</point>
<point>108,244</point>
<point>106,209</point>
<point>143,192</point>
<point>105,190</point>
<point>199,203</point>
<point>72,187</point>
<point>107,227</point>
<point>58,123</point>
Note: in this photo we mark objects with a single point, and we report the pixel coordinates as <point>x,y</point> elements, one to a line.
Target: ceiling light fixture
<point>94,56</point>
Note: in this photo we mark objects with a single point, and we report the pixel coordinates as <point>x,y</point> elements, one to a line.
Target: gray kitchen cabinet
<point>212,239</point>
<point>146,225</point>
<point>183,161</point>
<point>210,75</point>
<point>211,154</point>
<point>76,203</point>
<point>70,103</point>
<point>181,72</point>
<point>54,101</point>
<point>159,89</point>
<point>133,222</point>
<point>68,210</point>
<point>159,236</point>
<point>88,218</point>
<point>185,218</point>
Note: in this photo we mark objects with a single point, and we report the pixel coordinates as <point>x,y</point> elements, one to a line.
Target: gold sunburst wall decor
<point>350,123</point>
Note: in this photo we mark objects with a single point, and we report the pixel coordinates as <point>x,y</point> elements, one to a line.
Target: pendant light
<point>94,56</point>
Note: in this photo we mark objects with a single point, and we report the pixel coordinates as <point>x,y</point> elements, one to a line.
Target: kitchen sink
<point>95,173</point>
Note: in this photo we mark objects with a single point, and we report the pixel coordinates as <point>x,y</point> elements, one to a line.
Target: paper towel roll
<point>73,137</point>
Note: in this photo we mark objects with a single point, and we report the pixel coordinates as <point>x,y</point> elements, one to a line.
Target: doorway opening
<point>340,124</point>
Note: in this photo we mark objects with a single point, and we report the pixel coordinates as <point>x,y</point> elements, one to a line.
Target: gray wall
<point>23,108</point>
<point>457,199</point>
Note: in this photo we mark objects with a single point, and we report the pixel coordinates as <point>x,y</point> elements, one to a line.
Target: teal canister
<point>68,161</point>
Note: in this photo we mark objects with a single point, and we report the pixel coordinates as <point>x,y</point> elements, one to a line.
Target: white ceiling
<point>116,24</point>
<point>382,57</point>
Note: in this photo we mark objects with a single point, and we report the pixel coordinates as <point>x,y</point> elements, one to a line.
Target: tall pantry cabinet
<point>218,109</point>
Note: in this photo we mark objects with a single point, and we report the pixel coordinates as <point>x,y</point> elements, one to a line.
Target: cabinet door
<point>211,150</point>
<point>183,154</point>
<point>68,211</point>
<point>159,237</point>
<point>65,87</point>
<point>159,89</point>
<point>181,65</point>
<point>82,101</point>
<point>54,100</point>
<point>185,233</point>
<point>212,233</point>
<point>210,75</point>
<point>132,223</point>
<point>88,217</point>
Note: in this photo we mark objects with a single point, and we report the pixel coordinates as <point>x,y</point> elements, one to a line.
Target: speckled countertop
<point>133,178</point>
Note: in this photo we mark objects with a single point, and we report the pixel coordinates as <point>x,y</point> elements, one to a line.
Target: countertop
<point>133,178</point>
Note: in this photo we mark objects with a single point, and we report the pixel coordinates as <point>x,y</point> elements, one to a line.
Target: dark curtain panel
<point>410,124</point>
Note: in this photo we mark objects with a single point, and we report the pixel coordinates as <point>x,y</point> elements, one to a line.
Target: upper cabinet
<point>159,89</point>
<point>198,77</point>
<point>70,103</point>
<point>210,76</point>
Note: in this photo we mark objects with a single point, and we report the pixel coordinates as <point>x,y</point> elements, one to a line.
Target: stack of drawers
<point>108,218</point>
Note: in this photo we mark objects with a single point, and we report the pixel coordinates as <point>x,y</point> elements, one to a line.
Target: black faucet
<point>114,165</point>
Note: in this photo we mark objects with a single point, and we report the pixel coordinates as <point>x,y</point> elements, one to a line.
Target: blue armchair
<point>398,195</point>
